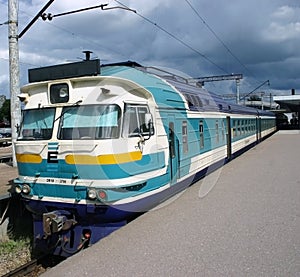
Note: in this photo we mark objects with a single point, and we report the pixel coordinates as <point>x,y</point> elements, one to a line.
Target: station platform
<point>7,173</point>
<point>241,220</point>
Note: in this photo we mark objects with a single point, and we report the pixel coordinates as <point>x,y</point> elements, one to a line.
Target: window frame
<point>201,134</point>
<point>126,129</point>
<point>92,132</point>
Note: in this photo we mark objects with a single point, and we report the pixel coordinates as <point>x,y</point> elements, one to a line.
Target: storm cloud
<point>259,39</point>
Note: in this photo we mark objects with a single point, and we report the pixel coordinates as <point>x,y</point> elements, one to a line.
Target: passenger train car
<point>99,144</point>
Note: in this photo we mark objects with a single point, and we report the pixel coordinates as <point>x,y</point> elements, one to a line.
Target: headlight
<point>18,189</point>
<point>26,189</point>
<point>92,194</point>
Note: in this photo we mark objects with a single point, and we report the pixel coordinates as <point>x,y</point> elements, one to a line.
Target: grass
<point>14,253</point>
<point>11,246</point>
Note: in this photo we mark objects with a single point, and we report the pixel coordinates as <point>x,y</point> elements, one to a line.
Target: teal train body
<point>101,144</point>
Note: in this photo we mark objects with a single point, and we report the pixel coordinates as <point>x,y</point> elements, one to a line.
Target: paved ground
<point>243,220</point>
<point>7,173</point>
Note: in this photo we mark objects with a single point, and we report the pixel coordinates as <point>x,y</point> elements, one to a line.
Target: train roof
<point>198,98</point>
<point>163,85</point>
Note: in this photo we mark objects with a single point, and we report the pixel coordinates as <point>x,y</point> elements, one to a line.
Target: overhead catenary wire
<point>192,48</point>
<point>165,30</point>
<point>217,37</point>
<point>177,39</point>
<point>222,42</point>
<point>188,46</point>
<point>74,35</point>
<point>103,7</point>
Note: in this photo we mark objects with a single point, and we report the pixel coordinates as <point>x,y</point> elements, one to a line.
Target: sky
<point>257,38</point>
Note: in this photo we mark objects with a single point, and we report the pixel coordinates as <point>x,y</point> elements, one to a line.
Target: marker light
<point>102,194</point>
<point>87,234</point>
<point>92,194</point>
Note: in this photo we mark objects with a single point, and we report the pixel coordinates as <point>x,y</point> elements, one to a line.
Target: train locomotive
<point>99,144</point>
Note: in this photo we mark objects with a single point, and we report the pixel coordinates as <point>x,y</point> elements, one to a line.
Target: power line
<point>22,63</point>
<point>103,7</point>
<point>176,38</point>
<point>223,43</point>
<point>76,36</point>
<point>35,18</point>
<point>218,38</point>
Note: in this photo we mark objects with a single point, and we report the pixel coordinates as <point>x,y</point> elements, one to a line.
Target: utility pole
<point>236,77</point>
<point>237,91</point>
<point>14,70</point>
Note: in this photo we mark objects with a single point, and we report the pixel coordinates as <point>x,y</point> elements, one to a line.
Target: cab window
<point>137,121</point>
<point>89,122</point>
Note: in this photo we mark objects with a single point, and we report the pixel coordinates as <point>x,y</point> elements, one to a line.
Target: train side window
<point>242,127</point>
<point>217,132</point>
<point>247,126</point>
<point>136,121</point>
<point>184,137</point>
<point>201,133</point>
<point>223,131</point>
<point>234,127</point>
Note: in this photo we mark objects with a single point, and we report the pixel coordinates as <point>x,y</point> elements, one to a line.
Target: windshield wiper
<point>67,109</point>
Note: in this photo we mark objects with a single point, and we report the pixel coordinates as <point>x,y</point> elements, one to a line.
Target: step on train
<point>99,144</point>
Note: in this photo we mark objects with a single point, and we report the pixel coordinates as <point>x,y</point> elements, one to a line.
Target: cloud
<point>281,32</point>
<point>256,38</point>
<point>284,12</point>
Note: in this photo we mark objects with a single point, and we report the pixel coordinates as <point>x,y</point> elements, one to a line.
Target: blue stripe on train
<point>79,192</point>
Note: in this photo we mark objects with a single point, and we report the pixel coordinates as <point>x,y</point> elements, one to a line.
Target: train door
<point>173,153</point>
<point>258,129</point>
<point>228,137</point>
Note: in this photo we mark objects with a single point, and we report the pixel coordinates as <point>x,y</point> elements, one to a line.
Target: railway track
<point>24,270</point>
<point>35,267</point>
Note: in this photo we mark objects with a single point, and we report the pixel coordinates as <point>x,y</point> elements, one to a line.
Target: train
<point>100,144</point>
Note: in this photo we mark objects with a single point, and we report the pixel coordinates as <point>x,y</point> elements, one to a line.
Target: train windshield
<point>37,124</point>
<point>90,122</point>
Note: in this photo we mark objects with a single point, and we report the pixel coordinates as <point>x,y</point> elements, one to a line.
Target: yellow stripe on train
<point>29,158</point>
<point>104,159</point>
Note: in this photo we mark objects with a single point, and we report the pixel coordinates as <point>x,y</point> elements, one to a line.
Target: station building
<point>289,104</point>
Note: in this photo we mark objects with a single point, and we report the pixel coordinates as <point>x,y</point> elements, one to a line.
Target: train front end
<point>87,153</point>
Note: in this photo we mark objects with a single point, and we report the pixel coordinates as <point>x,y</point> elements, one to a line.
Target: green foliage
<point>13,246</point>
<point>5,111</point>
<point>254,98</point>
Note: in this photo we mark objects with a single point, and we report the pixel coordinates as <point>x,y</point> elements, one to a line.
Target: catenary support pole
<point>14,71</point>
<point>237,91</point>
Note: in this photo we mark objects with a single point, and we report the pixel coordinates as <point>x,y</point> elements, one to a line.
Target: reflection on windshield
<point>37,124</point>
<point>90,122</point>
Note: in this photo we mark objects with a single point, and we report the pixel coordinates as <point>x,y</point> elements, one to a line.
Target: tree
<point>5,111</point>
<point>254,98</point>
